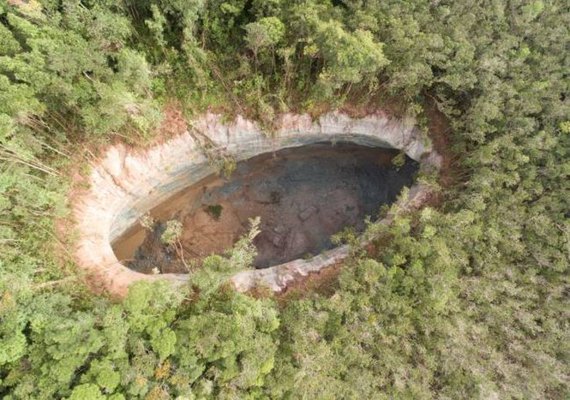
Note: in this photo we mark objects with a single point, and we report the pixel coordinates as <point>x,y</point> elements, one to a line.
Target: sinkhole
<point>303,196</point>
<point>307,179</point>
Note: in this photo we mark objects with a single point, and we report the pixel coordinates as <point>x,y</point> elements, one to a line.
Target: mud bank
<point>126,184</point>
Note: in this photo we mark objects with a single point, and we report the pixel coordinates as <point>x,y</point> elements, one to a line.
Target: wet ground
<point>303,196</point>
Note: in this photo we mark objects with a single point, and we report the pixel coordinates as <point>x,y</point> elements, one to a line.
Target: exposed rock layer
<point>126,184</point>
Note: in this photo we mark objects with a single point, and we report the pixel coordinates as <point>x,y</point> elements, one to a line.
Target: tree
<point>265,33</point>
<point>348,57</point>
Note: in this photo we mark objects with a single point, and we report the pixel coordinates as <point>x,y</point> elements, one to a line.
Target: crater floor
<point>303,196</point>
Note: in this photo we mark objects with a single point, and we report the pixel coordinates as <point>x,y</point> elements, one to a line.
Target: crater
<point>302,186</point>
<point>303,196</point>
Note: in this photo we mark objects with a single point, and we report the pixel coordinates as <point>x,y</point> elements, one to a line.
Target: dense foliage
<point>465,300</point>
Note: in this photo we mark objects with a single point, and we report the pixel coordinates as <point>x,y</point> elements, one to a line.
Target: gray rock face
<point>125,184</point>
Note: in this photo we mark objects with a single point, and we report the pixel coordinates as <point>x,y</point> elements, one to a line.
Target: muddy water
<point>303,196</point>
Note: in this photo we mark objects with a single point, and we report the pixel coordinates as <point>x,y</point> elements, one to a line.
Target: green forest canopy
<point>466,299</point>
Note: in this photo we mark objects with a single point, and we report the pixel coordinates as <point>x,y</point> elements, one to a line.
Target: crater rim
<point>124,184</point>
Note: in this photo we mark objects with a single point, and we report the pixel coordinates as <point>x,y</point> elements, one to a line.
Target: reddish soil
<point>439,133</point>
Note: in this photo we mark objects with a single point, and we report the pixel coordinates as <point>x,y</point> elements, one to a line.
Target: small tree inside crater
<point>171,237</point>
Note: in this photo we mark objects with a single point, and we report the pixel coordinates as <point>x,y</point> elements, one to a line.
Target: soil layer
<point>303,196</point>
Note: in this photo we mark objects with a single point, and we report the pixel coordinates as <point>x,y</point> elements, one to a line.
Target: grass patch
<point>215,211</point>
